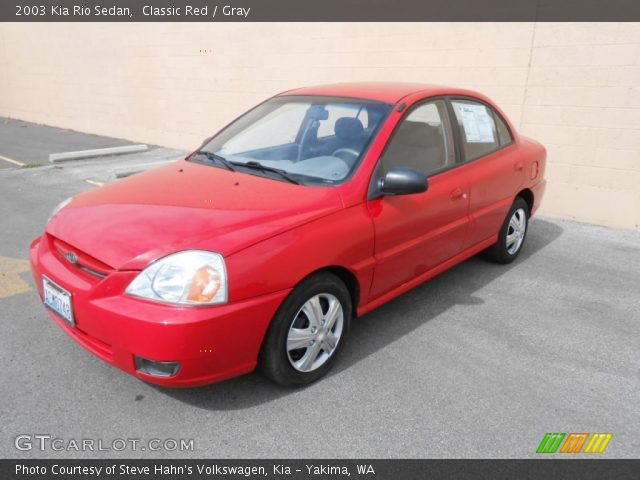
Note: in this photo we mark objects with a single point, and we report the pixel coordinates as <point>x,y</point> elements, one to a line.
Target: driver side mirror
<point>403,181</point>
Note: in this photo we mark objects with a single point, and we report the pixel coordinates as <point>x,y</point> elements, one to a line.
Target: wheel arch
<point>348,278</point>
<point>527,195</point>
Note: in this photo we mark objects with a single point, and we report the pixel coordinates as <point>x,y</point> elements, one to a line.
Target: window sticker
<point>477,123</point>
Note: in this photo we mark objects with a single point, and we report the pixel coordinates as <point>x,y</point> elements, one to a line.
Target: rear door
<point>494,167</point>
<point>414,233</point>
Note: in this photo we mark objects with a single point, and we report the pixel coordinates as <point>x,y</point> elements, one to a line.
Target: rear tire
<point>307,332</point>
<point>512,234</point>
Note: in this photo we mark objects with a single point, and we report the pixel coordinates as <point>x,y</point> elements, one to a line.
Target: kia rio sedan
<point>260,247</point>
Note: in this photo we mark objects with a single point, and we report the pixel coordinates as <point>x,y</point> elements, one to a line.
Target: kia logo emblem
<point>72,257</point>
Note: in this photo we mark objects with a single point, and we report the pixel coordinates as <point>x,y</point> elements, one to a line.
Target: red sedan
<point>260,247</point>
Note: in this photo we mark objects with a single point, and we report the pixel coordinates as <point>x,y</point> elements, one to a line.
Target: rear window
<point>504,135</point>
<point>479,132</point>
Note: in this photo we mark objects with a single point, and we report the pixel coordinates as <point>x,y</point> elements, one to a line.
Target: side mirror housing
<point>403,181</point>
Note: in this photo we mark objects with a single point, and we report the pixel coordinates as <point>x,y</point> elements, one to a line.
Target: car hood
<point>131,222</point>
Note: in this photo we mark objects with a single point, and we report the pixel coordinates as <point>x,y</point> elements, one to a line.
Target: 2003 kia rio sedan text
<point>261,246</point>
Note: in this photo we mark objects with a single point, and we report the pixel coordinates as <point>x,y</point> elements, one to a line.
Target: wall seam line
<point>526,80</point>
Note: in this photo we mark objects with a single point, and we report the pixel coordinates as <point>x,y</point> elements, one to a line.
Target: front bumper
<point>211,343</point>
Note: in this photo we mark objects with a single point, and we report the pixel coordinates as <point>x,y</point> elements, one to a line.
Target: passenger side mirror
<point>403,181</point>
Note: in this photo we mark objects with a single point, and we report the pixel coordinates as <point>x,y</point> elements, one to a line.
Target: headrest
<point>349,128</point>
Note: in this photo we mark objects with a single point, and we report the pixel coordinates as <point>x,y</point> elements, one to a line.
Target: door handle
<point>518,166</point>
<point>457,193</point>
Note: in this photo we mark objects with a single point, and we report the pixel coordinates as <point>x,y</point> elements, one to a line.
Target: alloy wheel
<point>315,332</point>
<point>516,231</point>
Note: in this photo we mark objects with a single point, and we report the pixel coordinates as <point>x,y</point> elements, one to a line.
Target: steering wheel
<point>349,151</point>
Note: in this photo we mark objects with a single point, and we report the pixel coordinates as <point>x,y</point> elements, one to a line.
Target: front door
<point>414,233</point>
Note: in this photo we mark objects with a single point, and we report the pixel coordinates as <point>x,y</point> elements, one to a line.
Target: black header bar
<point>319,10</point>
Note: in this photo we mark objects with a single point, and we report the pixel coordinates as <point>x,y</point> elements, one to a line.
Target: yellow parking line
<point>11,160</point>
<point>10,282</point>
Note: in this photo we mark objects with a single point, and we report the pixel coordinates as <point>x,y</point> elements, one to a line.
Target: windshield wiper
<point>214,157</point>
<point>258,166</point>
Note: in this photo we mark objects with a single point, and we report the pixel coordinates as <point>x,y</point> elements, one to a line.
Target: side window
<point>421,141</point>
<point>479,133</point>
<point>504,135</point>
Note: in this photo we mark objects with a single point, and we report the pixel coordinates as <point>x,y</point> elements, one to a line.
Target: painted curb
<point>99,152</point>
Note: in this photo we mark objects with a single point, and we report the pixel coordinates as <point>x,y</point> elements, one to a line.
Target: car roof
<point>387,92</point>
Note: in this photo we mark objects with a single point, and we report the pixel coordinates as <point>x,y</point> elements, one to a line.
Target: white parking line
<point>93,182</point>
<point>11,160</point>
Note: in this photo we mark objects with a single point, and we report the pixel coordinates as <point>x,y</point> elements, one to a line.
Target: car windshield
<point>304,139</point>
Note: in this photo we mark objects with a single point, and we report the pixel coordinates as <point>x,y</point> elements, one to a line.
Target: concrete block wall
<point>573,86</point>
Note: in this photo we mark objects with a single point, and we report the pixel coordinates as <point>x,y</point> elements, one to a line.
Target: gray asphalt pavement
<point>31,143</point>
<point>479,362</point>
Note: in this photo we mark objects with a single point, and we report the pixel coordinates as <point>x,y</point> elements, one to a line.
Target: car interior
<point>420,141</point>
<point>313,153</point>
<point>418,145</point>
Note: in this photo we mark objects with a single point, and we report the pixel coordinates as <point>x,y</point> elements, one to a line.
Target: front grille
<point>81,260</point>
<point>95,273</point>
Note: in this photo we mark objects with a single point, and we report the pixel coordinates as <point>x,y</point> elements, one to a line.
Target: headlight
<point>59,207</point>
<point>192,277</point>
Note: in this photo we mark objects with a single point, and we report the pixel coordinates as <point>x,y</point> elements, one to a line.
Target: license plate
<point>58,299</point>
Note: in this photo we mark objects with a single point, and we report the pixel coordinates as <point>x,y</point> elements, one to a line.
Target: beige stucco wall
<point>573,86</point>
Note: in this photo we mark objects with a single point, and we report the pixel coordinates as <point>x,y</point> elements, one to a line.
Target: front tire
<point>512,233</point>
<point>308,331</point>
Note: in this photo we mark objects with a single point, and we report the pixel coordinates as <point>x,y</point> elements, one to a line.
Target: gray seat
<point>350,133</point>
<point>418,145</point>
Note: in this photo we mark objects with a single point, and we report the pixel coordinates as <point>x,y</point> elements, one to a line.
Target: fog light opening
<point>157,369</point>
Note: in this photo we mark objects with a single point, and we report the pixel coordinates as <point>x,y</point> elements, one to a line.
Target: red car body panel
<point>212,344</point>
<point>272,234</point>
<point>145,217</point>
